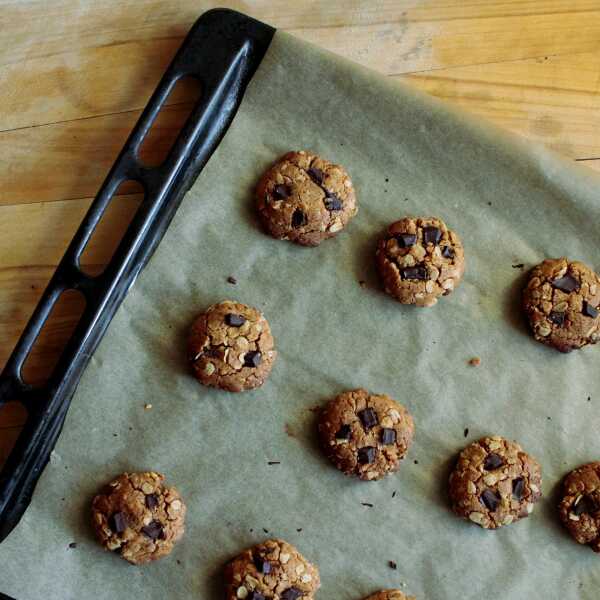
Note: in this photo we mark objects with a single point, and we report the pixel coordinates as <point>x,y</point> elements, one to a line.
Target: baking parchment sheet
<point>407,154</point>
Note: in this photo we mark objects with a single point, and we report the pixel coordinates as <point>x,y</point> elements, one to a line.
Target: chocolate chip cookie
<point>579,507</point>
<point>562,302</point>
<point>231,347</point>
<point>495,483</point>
<point>419,259</point>
<point>390,595</point>
<point>138,517</point>
<point>273,570</point>
<point>366,435</point>
<point>305,199</point>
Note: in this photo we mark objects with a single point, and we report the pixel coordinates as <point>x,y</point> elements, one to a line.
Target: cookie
<point>231,347</point>
<point>419,259</point>
<point>562,302</point>
<point>366,435</point>
<point>138,517</point>
<point>579,506</point>
<point>273,570</point>
<point>390,595</point>
<point>305,199</point>
<point>495,483</point>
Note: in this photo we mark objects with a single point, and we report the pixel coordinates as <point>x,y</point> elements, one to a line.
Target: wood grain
<point>74,75</point>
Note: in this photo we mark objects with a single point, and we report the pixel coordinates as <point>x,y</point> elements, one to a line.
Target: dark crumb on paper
<point>274,462</point>
<point>475,361</point>
<point>489,203</point>
<point>589,398</point>
<point>73,545</point>
<point>289,431</point>
<point>367,504</point>
<point>131,429</point>
<point>466,432</point>
<point>518,266</point>
<point>232,280</point>
<point>362,283</point>
<point>299,529</point>
<point>178,562</point>
<point>252,531</point>
<point>392,565</point>
<point>549,418</point>
<point>387,179</point>
<point>115,435</point>
<point>62,499</point>
<point>385,190</point>
<point>394,494</point>
<point>416,462</point>
<point>265,530</point>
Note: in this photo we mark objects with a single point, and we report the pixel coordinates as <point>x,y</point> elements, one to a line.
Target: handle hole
<point>12,418</point>
<point>170,120</point>
<point>53,337</point>
<point>112,227</point>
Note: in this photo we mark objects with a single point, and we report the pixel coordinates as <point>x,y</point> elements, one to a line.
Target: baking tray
<point>222,51</point>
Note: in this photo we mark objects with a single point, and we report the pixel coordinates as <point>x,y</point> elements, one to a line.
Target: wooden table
<point>75,74</point>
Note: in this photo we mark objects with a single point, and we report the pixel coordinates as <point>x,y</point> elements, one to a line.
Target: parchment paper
<point>406,153</point>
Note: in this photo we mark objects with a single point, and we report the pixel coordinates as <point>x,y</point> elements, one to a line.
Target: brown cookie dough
<point>495,483</point>
<point>305,199</point>
<point>231,347</point>
<point>562,303</point>
<point>579,507</point>
<point>390,595</point>
<point>273,570</point>
<point>139,517</point>
<point>419,259</point>
<point>365,435</point>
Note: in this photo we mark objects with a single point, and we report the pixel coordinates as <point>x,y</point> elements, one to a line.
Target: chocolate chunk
<point>316,175</point>
<point>414,273</point>
<point>298,218</point>
<point>118,522</point>
<point>281,192</point>
<point>585,505</point>
<point>262,565</point>
<point>431,235</point>
<point>490,499</point>
<point>234,320</point>
<point>518,487</point>
<point>388,436</point>
<point>343,433</point>
<point>567,284</point>
<point>154,531</point>
<point>151,501</point>
<point>291,594</point>
<point>366,455</point>
<point>447,252</point>
<point>368,418</point>
<point>406,240</point>
<point>557,318</point>
<point>252,359</point>
<point>492,461</point>
<point>589,310</point>
<point>332,202</point>
<point>254,595</point>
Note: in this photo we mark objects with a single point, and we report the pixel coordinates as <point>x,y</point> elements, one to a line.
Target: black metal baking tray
<point>222,50</point>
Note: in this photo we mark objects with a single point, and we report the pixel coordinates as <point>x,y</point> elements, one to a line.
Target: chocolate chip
<point>414,273</point>
<point>291,594</point>
<point>316,175</point>
<point>567,284</point>
<point>234,320</point>
<point>343,433</point>
<point>332,202</point>
<point>154,531</point>
<point>447,252</point>
<point>589,310</point>
<point>254,595</point>
<point>118,522</point>
<point>431,235</point>
<point>492,461</point>
<point>252,359</point>
<point>298,218</point>
<point>281,192</point>
<point>406,240</point>
<point>388,436</point>
<point>151,501</point>
<point>262,565</point>
<point>585,505</point>
<point>368,418</point>
<point>518,487</point>
<point>557,318</point>
<point>490,499</point>
<point>366,455</point>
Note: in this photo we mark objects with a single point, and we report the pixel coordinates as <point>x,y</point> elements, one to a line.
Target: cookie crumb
<point>416,462</point>
<point>518,266</point>
<point>466,432</point>
<point>475,361</point>
<point>73,545</point>
<point>178,562</point>
<point>299,529</point>
<point>394,494</point>
<point>589,398</point>
<point>368,504</point>
<point>274,462</point>
<point>392,565</point>
<point>232,280</point>
<point>265,530</point>
<point>147,406</point>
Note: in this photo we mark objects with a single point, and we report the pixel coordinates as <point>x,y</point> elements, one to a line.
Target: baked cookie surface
<point>305,199</point>
<point>390,595</point>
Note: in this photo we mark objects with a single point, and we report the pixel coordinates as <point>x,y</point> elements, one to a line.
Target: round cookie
<point>305,199</point>
<point>139,517</point>
<point>231,347</point>
<point>390,595</point>
<point>579,507</point>
<point>366,435</point>
<point>562,303</point>
<point>495,483</point>
<point>273,570</point>
<point>419,259</point>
